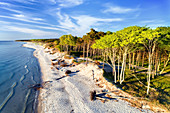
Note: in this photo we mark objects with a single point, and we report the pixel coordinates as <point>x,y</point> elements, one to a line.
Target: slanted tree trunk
<point>91,52</point>
<point>165,64</point>
<point>123,66</point>
<point>112,54</point>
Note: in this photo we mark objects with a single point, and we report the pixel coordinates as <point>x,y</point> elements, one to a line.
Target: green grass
<point>132,86</point>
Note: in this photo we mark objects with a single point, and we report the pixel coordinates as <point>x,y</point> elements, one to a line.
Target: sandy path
<point>71,94</point>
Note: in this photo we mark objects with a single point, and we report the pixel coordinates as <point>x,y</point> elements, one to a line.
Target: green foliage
<point>57,47</point>
<point>68,40</point>
<point>92,36</point>
<point>132,86</point>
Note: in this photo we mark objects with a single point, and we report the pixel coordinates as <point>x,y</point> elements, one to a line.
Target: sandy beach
<point>71,94</point>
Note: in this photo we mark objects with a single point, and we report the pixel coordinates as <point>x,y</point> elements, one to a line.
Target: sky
<point>33,19</point>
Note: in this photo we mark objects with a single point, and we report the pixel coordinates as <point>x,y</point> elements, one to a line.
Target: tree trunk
<point>94,53</point>
<point>123,67</point>
<point>165,65</point>
<point>149,73</point>
<point>84,51</point>
<point>143,58</point>
<point>139,57</point>
<point>151,51</point>
<point>114,66</point>
<point>87,52</point>
<point>67,49</point>
<point>91,52</point>
<point>118,65</point>
<point>133,62</point>
<point>104,55</point>
<point>159,63</point>
<point>129,60</point>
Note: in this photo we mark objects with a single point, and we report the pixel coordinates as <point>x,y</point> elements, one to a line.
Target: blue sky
<point>27,19</point>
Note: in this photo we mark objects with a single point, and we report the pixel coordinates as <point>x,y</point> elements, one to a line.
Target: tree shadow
<point>70,75</point>
<point>103,96</point>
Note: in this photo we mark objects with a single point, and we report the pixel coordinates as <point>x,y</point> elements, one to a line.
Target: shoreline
<point>39,106</point>
<point>72,94</point>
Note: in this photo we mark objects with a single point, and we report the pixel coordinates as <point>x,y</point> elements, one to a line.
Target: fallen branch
<point>39,86</point>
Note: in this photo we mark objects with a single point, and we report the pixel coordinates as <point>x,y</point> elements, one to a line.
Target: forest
<point>139,57</point>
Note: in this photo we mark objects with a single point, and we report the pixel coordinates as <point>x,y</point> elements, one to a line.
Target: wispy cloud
<point>33,32</point>
<point>12,10</point>
<point>85,22</point>
<point>117,9</point>
<point>79,25</point>
<point>50,27</point>
<point>151,21</point>
<point>156,25</point>
<point>4,3</point>
<point>67,3</point>
<point>24,19</point>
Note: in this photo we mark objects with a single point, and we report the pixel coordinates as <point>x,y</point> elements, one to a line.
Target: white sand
<point>71,94</point>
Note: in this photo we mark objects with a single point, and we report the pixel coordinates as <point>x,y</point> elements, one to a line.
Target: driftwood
<point>60,78</point>
<point>53,59</point>
<point>63,65</point>
<point>92,95</point>
<point>53,64</point>
<point>105,96</point>
<point>96,62</point>
<point>39,86</point>
<point>68,72</point>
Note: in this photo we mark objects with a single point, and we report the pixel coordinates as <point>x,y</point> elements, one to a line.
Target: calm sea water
<point>19,69</point>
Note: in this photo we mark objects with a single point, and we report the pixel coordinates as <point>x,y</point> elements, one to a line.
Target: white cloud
<point>79,25</point>
<point>33,32</point>
<point>66,22</point>
<point>151,21</point>
<point>19,16</point>
<point>153,26</point>
<point>4,3</point>
<point>12,10</point>
<point>85,22</point>
<point>23,18</point>
<point>67,3</point>
<point>117,9</point>
<point>38,19</point>
<point>16,24</point>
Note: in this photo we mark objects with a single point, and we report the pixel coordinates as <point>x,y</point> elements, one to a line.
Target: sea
<point>19,71</point>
